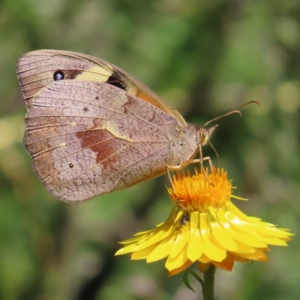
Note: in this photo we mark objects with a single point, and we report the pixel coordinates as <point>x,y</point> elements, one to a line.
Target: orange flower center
<point>199,192</point>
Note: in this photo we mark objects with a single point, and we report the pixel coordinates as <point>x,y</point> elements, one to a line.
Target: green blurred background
<point>203,57</point>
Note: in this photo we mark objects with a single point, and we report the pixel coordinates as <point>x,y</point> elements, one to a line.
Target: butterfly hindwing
<point>84,141</point>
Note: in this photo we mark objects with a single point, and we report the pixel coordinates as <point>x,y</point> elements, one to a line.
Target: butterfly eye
<point>58,75</point>
<point>71,165</point>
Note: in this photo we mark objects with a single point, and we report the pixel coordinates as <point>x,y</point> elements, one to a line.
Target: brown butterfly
<point>91,128</point>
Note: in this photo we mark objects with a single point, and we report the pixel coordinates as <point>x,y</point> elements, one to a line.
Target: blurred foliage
<point>205,58</point>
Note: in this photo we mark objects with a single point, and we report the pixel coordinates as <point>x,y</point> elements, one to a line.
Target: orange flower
<point>205,228</point>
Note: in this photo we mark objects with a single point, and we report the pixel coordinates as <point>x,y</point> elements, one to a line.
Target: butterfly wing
<point>36,69</point>
<point>88,138</point>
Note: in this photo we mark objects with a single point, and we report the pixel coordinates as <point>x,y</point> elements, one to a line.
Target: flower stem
<point>208,284</point>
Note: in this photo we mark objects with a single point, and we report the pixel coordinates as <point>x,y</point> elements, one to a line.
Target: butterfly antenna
<point>236,111</point>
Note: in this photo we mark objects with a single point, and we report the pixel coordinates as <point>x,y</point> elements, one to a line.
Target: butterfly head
<point>206,134</point>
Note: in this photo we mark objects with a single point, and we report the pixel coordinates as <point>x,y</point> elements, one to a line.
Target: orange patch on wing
<point>101,142</point>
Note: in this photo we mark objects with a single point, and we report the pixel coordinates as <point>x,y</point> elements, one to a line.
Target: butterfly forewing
<point>36,70</point>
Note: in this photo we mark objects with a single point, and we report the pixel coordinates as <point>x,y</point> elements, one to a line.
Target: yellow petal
<point>223,237</point>
<point>204,228</point>
<point>246,239</point>
<point>195,247</point>
<point>180,269</point>
<point>142,254</point>
<point>173,263</point>
<point>162,250</point>
<point>180,242</point>
<point>226,264</point>
<point>204,259</point>
<point>213,252</point>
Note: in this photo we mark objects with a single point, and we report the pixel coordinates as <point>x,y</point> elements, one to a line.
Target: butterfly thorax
<point>186,147</point>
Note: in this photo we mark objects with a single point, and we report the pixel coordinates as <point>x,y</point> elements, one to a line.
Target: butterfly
<point>91,128</point>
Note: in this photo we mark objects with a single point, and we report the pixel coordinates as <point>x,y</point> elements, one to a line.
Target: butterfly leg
<point>200,161</point>
<point>194,161</point>
<point>209,161</point>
